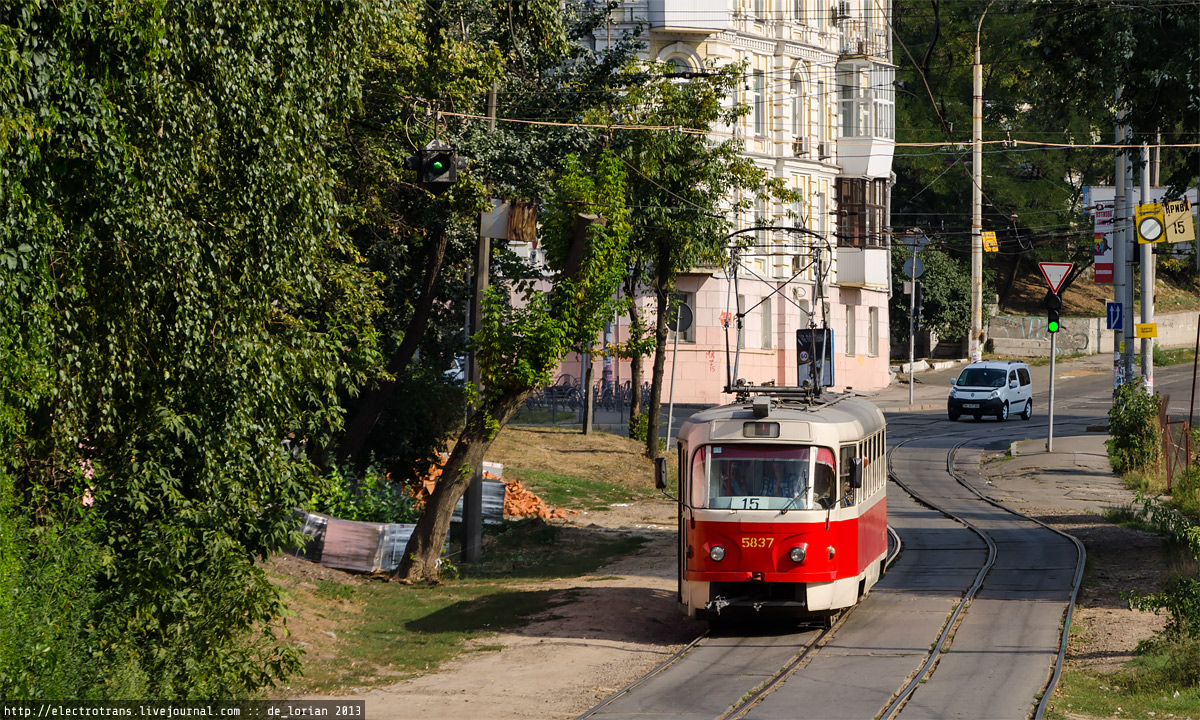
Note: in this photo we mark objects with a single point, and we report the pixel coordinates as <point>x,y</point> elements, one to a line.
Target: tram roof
<point>858,416</point>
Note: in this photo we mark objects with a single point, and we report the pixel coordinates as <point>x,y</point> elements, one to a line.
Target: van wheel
<point>1028,411</point>
<point>1002,416</point>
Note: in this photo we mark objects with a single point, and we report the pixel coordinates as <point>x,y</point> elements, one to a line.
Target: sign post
<point>1055,274</point>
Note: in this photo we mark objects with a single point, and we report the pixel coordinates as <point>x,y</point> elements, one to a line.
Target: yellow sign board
<point>989,242</point>
<point>1178,217</point>
<point>1149,223</point>
<point>1145,330</point>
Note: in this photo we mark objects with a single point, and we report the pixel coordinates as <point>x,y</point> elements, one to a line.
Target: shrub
<point>370,498</point>
<point>1133,429</point>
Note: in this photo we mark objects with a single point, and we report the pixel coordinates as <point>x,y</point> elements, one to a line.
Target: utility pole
<point>1147,285</point>
<point>976,340</point>
<point>1117,238</point>
<point>1127,239</point>
<point>472,512</point>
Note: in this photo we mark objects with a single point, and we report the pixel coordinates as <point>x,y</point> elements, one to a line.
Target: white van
<point>992,387</point>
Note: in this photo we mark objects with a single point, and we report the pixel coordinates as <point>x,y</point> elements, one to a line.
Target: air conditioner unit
<point>801,147</point>
<point>824,150</point>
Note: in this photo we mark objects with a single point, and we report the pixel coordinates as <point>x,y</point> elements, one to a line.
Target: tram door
<point>683,488</point>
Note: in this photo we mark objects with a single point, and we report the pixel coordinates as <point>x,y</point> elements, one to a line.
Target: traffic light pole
<point>1050,406</point>
<point>912,335</point>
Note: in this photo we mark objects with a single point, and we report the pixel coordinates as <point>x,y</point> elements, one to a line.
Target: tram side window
<point>849,452</point>
<point>825,492</point>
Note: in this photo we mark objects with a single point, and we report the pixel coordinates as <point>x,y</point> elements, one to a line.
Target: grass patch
<point>576,493</point>
<point>368,634</point>
<point>1177,356</point>
<point>1081,694</point>
<point>533,549</point>
<point>402,631</point>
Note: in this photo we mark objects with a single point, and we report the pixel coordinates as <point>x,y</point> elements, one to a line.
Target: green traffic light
<point>1052,326</point>
<point>437,166</point>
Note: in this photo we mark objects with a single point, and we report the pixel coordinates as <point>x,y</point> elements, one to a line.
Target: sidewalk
<point>1076,478</point>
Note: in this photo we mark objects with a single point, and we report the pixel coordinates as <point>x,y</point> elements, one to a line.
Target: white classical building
<point>820,86</point>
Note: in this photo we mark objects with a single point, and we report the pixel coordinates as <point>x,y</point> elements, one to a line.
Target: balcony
<point>862,267</point>
<point>865,156</point>
<point>690,16</point>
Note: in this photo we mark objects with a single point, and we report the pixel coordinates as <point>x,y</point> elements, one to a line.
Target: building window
<point>688,335</point>
<point>883,95</point>
<point>760,9</point>
<point>758,101</point>
<point>767,332</point>
<point>862,211</point>
<point>873,332</point>
<point>798,11</point>
<point>854,100</point>
<point>760,220</point>
<point>851,329</point>
<point>799,107</point>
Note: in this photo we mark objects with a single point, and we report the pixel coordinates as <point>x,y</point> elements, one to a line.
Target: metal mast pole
<point>1147,285</point>
<point>1117,238</point>
<point>976,341</point>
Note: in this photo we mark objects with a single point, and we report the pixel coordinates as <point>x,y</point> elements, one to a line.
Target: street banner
<point>1103,265</point>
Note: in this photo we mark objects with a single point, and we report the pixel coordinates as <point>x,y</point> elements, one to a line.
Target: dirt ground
<point>624,622</point>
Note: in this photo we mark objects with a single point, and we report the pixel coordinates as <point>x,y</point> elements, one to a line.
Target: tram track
<point>754,694</point>
<point>708,649</point>
<point>928,668</point>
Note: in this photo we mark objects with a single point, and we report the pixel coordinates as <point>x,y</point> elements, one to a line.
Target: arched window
<point>799,106</point>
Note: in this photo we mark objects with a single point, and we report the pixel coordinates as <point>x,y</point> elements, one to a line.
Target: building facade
<point>819,83</point>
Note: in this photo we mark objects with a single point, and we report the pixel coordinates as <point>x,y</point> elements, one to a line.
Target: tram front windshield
<point>763,477</point>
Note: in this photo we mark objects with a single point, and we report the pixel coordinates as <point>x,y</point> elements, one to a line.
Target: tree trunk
<point>424,548</point>
<point>636,331</point>
<point>375,400</point>
<point>662,294</point>
<point>1012,280</point>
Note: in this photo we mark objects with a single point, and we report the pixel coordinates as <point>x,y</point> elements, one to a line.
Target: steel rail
<point>935,652</point>
<point>1080,563</point>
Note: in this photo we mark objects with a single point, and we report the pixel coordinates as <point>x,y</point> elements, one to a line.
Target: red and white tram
<point>782,505</point>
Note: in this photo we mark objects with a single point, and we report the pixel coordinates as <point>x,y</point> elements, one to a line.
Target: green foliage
<point>946,288</point>
<point>1180,595</point>
<point>369,498</point>
<point>1133,431</point>
<point>177,302</point>
<point>47,597</point>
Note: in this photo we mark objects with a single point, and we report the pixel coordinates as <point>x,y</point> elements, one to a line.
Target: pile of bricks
<point>519,501</point>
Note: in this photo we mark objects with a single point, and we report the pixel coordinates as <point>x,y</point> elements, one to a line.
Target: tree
<point>683,184</point>
<point>519,345</point>
<point>1031,194</point>
<point>183,310</point>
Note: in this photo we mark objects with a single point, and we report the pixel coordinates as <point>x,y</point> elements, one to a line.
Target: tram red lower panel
<point>760,550</point>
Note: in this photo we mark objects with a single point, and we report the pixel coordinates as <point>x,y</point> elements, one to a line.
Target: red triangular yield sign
<point>1055,273</point>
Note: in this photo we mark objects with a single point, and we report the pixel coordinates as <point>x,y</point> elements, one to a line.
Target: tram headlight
<point>797,553</point>
<point>717,553</point>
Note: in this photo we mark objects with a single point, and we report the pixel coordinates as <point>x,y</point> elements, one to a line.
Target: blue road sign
<point>1116,315</point>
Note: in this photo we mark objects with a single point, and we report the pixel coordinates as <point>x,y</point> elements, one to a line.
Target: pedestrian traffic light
<point>1053,306</point>
<point>437,166</point>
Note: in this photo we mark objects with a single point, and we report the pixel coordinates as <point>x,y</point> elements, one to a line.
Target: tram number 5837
<point>757,542</point>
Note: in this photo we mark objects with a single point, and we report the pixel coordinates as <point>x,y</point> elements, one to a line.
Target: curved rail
<point>906,692</point>
<point>903,696</point>
<point>1077,581</point>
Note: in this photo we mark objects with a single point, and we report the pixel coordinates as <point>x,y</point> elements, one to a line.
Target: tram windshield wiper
<point>792,503</point>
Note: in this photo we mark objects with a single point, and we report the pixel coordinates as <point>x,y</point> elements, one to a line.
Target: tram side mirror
<point>856,473</point>
<point>660,473</point>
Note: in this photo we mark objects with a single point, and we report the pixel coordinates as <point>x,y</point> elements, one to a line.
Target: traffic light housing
<point>1053,306</point>
<point>437,166</point>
